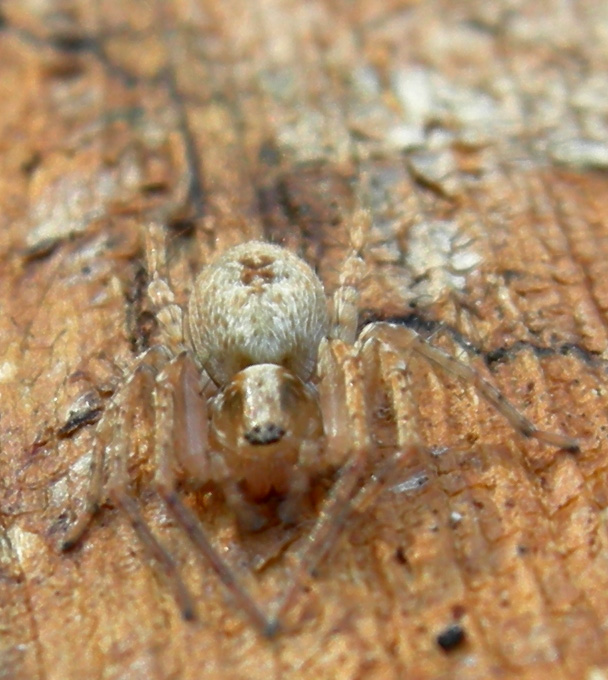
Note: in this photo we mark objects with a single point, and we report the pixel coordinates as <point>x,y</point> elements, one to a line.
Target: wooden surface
<point>476,135</point>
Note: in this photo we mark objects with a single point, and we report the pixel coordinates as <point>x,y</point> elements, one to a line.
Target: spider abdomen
<point>257,304</point>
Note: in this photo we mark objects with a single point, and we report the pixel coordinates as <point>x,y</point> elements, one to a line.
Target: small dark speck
<point>451,637</point>
<point>400,556</point>
<point>269,154</point>
<point>72,42</point>
<point>183,228</point>
<point>33,161</point>
<point>41,250</point>
<point>511,274</point>
<point>458,611</point>
<point>79,419</point>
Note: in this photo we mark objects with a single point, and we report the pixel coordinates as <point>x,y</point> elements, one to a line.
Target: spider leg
<point>193,528</point>
<point>405,338</point>
<point>248,517</point>
<point>103,435</point>
<point>340,363</point>
<point>291,506</point>
<point>118,491</point>
<point>347,295</point>
<point>168,313</point>
<point>166,487</point>
<point>111,450</point>
<point>393,372</point>
<point>158,552</point>
<point>94,491</point>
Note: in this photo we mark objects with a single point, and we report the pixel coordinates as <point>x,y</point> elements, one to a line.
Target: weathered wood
<point>475,135</point>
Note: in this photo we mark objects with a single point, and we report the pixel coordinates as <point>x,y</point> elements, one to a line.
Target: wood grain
<point>475,136</point>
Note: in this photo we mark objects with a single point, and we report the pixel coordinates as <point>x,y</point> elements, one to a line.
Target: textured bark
<point>475,134</point>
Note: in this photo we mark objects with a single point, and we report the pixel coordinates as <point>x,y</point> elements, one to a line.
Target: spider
<point>287,403</point>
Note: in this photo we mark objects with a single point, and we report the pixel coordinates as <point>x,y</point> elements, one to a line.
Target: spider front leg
<point>189,431</point>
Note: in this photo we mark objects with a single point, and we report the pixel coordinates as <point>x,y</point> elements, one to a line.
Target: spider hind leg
<point>405,339</point>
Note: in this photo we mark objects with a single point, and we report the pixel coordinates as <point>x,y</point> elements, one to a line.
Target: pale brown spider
<point>288,403</point>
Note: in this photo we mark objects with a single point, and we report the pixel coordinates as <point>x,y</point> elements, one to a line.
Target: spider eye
<point>269,433</point>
